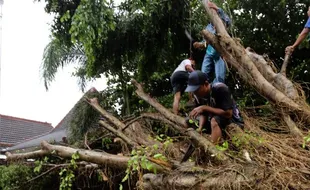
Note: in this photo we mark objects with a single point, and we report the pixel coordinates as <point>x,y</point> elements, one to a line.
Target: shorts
<point>221,121</point>
<point>179,81</point>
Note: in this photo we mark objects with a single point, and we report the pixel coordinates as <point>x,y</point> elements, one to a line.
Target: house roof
<point>55,135</point>
<point>58,134</point>
<point>14,130</point>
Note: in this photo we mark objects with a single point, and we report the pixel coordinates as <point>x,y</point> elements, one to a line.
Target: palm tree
<point>57,54</point>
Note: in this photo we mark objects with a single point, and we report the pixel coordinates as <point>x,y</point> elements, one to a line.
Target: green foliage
<point>85,118</point>
<point>90,25</point>
<point>106,142</point>
<point>222,147</point>
<point>195,122</point>
<point>39,164</point>
<point>67,175</point>
<point>118,46</point>
<point>244,139</point>
<point>139,158</point>
<point>57,54</point>
<point>263,26</point>
<point>306,139</point>
<point>15,177</point>
<point>164,139</point>
<point>150,43</point>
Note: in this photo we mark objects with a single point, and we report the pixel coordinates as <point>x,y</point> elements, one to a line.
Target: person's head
<point>198,84</point>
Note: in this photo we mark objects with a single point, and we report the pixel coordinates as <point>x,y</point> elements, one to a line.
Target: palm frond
<point>58,55</point>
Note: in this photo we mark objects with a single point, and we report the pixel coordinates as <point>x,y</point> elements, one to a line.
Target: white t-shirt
<point>182,65</point>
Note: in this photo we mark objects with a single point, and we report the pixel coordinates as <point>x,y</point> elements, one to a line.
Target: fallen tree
<point>255,158</point>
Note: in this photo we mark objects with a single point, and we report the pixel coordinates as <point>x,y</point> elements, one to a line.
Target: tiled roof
<point>58,134</point>
<point>14,130</point>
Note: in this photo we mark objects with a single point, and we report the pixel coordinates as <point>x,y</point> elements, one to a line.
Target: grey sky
<point>25,33</point>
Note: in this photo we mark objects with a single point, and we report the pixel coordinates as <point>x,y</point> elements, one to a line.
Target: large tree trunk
<point>101,158</point>
<point>274,87</point>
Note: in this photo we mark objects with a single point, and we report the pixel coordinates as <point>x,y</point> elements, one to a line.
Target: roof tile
<point>14,130</point>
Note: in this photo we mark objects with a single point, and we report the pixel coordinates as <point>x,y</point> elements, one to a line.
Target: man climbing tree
<point>212,60</point>
<point>303,34</point>
<point>215,101</point>
<point>179,80</point>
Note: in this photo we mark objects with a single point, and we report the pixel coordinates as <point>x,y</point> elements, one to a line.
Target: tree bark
<point>248,72</point>
<point>278,80</point>
<point>285,63</point>
<point>102,158</point>
<point>27,155</point>
<point>235,54</point>
<point>226,180</point>
<point>135,132</point>
<point>118,133</point>
<point>181,126</point>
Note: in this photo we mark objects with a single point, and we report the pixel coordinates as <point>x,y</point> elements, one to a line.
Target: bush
<point>14,177</point>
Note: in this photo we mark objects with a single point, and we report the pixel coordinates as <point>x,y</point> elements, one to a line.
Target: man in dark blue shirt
<point>216,104</point>
<point>301,36</point>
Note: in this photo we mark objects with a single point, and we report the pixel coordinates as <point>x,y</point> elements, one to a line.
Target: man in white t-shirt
<point>179,79</point>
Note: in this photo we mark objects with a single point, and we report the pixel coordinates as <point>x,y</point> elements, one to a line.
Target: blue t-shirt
<point>227,21</point>
<point>308,23</point>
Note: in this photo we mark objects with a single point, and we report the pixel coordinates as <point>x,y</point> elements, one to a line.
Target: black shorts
<point>179,81</point>
<point>221,121</point>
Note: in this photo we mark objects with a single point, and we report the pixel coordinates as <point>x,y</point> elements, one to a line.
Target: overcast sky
<point>25,33</point>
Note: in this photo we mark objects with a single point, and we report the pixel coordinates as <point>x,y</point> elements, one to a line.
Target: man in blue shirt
<point>301,36</point>
<point>212,60</point>
<point>215,104</point>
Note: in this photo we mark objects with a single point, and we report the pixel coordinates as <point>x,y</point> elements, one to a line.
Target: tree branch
<point>131,122</point>
<point>100,158</point>
<point>248,72</point>
<point>118,133</point>
<point>180,124</point>
<point>94,103</point>
<point>172,117</point>
<point>27,155</point>
<point>285,63</point>
<point>215,19</point>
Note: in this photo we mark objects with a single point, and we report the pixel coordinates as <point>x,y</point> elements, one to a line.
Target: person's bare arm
<point>216,111</point>
<point>300,38</point>
<point>189,68</point>
<point>200,45</point>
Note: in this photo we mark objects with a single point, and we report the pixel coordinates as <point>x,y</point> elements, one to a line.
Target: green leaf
<point>133,152</point>
<point>155,146</point>
<point>149,166</point>
<point>223,147</point>
<point>125,178</point>
<point>158,156</point>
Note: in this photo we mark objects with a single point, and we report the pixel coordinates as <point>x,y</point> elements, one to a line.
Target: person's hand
<point>198,45</point>
<point>289,49</point>
<point>212,5</point>
<point>195,112</point>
